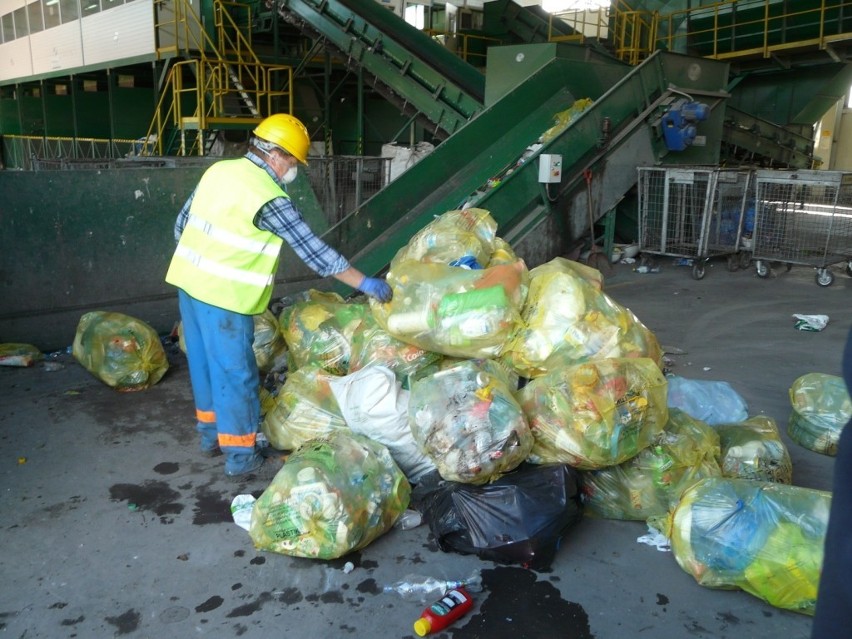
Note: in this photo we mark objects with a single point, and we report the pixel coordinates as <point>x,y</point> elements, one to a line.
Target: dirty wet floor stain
<point>516,605</point>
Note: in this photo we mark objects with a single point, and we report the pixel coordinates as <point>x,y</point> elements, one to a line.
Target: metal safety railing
<point>34,152</point>
<point>736,28</point>
<point>634,33</point>
<point>731,29</point>
<point>589,23</point>
<point>471,48</point>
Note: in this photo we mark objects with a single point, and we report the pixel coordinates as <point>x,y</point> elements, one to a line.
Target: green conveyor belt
<point>413,69</point>
<point>484,148</point>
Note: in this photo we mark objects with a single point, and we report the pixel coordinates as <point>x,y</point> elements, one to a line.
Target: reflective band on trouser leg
<point>205,416</point>
<point>237,440</point>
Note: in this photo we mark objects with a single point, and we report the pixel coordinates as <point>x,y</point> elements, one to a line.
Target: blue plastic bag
<point>713,402</point>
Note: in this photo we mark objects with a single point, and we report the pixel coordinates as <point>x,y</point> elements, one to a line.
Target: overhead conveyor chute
<point>411,70</point>
<point>629,100</point>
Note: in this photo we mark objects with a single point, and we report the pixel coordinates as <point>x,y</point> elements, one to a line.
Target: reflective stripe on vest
<point>226,237</point>
<point>220,270</point>
<point>222,258</point>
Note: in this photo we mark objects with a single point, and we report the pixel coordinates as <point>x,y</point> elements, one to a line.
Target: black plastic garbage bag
<point>519,518</point>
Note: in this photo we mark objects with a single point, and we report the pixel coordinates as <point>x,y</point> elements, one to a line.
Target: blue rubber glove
<point>377,288</point>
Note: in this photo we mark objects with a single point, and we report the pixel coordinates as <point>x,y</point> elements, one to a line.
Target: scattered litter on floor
<point>810,323</point>
<point>656,539</point>
<point>241,507</point>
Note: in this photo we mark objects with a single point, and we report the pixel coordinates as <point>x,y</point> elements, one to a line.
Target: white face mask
<point>290,175</point>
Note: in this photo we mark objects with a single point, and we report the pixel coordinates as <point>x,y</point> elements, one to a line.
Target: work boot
<point>263,470</point>
<point>213,451</point>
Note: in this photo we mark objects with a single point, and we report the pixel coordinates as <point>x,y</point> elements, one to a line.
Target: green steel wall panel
<point>76,241</point>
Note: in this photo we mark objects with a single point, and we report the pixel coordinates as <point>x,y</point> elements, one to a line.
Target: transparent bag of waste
<point>753,449</point>
<point>122,351</point>
<point>334,494</point>
<point>319,331</point>
<point>711,401</point>
<point>468,423</point>
<point>450,236</point>
<point>373,345</point>
<point>650,484</point>
<point>821,408</point>
<point>304,408</point>
<point>597,414</point>
<point>568,320</point>
<point>762,537</point>
<point>454,311</point>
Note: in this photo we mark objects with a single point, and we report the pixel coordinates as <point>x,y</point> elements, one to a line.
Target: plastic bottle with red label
<point>443,613</point>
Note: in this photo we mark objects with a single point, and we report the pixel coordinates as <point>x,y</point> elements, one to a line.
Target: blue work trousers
<point>224,376</point>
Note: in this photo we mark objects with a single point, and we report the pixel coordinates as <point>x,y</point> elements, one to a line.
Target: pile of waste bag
<point>513,400</point>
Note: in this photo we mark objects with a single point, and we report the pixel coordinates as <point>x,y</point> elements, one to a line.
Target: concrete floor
<point>113,525</point>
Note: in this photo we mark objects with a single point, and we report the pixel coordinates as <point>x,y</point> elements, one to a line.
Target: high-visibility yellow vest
<point>222,258</point>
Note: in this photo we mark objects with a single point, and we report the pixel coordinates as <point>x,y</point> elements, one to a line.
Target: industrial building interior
<point>546,114</point>
<point>159,85</point>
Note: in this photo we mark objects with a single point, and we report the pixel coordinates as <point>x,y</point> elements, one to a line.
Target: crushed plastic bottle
<point>423,588</point>
<point>647,269</point>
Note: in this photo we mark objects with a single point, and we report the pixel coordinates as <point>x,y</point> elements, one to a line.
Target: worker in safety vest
<point>229,235</point>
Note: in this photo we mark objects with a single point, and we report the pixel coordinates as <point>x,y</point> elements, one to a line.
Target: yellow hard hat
<point>287,132</point>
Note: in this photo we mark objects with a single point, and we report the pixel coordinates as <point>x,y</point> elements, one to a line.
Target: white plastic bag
<point>374,404</point>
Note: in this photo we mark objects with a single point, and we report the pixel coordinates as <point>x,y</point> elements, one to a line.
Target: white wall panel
<point>57,49</point>
<point>15,60</point>
<point>123,32</point>
<point>7,6</point>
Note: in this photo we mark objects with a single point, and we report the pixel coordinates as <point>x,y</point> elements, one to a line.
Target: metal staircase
<point>214,82</point>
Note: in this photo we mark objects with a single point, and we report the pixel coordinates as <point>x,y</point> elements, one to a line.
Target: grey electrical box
<point>549,168</point>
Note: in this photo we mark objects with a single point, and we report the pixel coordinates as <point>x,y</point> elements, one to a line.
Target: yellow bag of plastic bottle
<point>122,351</point>
<point>23,355</point>
<point>305,408</point>
<point>753,449</point>
<point>567,320</point>
<point>319,331</point>
<point>270,349</point>
<point>762,537</point>
<point>333,495</point>
<point>650,484</point>
<point>596,414</point>
<point>452,236</point>
<point>821,408</point>
<point>373,345</point>
<point>454,311</point>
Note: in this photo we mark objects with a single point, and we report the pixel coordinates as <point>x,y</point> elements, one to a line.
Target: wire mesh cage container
<point>803,217</point>
<point>693,213</point>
